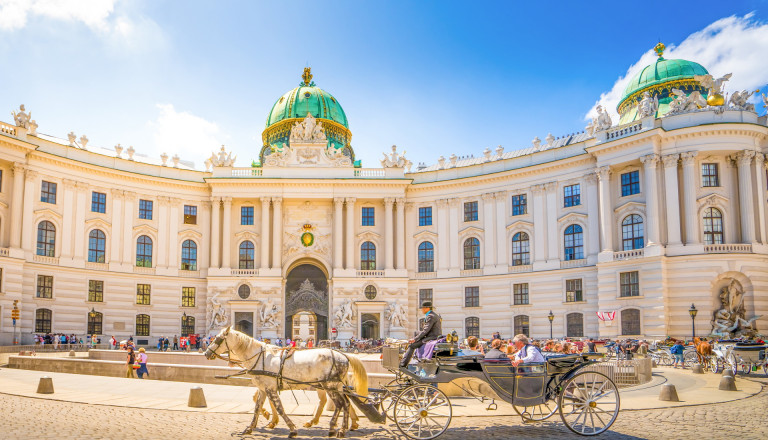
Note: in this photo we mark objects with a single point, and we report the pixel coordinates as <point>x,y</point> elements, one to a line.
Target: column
<point>350,238</point>
<point>81,205</point>
<point>489,231</point>
<point>760,167</point>
<point>443,248</point>
<point>455,247</point>
<point>408,242</point>
<point>162,233</point>
<point>502,243</point>
<point>650,162</point>
<point>338,206</point>
<point>216,231</point>
<point>28,222</point>
<point>539,223</point>
<point>552,244</point>
<point>400,234</point>
<point>606,213</point>
<point>173,233</point>
<point>746,199</point>
<point>265,233</point>
<point>692,235</point>
<point>117,214</point>
<point>673,199</point>
<point>226,233</point>
<point>129,203</point>
<point>277,232</point>
<point>204,260</point>
<point>17,203</point>
<point>389,233</point>
<point>593,221</point>
<point>68,219</point>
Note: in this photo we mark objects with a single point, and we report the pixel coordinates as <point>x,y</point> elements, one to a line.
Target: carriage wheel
<point>746,369</point>
<point>589,403</point>
<point>714,365</point>
<point>730,362</point>
<point>536,413</point>
<point>422,412</point>
<point>666,359</point>
<point>765,369</point>
<point>689,359</point>
<point>393,387</point>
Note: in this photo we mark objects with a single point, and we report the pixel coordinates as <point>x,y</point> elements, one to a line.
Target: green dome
<point>661,72</point>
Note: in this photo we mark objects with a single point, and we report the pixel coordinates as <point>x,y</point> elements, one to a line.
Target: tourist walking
<point>113,342</point>
<point>142,359</point>
<point>677,352</point>
<point>175,342</point>
<point>129,363</point>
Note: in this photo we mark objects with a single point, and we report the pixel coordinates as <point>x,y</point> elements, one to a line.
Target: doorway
<point>306,294</point>
<point>244,322</point>
<point>369,326</point>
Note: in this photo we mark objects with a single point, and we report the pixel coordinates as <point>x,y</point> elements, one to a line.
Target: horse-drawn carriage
<point>739,356</point>
<point>587,401</point>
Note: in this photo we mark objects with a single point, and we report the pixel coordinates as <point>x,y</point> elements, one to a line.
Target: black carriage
<point>587,401</point>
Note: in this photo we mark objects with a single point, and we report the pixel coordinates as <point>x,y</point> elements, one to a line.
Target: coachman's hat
<point>426,304</point>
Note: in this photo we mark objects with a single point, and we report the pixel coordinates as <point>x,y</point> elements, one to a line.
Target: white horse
<point>318,368</point>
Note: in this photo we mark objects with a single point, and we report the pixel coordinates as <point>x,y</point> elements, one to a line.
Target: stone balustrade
<point>46,260</point>
<point>370,273</point>
<point>245,272</point>
<point>628,255</point>
<point>730,248</point>
<point>573,263</point>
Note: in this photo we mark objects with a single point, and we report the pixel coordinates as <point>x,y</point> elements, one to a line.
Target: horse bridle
<point>217,343</point>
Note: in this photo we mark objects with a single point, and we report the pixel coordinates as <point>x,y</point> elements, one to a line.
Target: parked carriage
<point>739,356</point>
<point>588,402</point>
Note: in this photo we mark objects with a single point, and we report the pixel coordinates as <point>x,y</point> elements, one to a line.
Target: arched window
<point>632,233</point>
<point>522,325</point>
<point>472,326</point>
<point>43,319</point>
<point>144,251</point>
<point>97,244</point>
<point>574,243</point>
<point>244,291</point>
<point>370,291</point>
<point>187,325</point>
<point>426,257</point>
<point>246,255</point>
<point>630,322</point>
<point>471,253</point>
<point>368,256</point>
<point>95,320</point>
<point>142,325</point>
<point>575,325</point>
<point>713,226</point>
<point>46,239</point>
<point>521,249</point>
<point>189,255</point>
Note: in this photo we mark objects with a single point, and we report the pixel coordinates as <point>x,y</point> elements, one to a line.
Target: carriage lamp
<point>551,318</point>
<point>692,311</point>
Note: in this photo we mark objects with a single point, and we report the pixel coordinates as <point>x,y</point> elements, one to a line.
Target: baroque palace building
<point>615,231</point>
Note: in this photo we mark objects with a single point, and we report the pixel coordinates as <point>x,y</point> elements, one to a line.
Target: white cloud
<point>192,137</point>
<point>730,45</point>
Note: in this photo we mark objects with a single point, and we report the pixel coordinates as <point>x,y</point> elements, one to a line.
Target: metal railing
<point>625,373</point>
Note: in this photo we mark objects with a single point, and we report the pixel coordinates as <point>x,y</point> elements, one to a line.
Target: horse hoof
<point>354,427</point>
<point>331,433</point>
<point>340,434</point>
<point>248,431</point>
<point>308,425</point>
<point>293,434</point>
<point>270,426</point>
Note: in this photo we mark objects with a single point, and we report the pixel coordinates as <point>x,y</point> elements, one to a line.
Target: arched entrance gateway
<point>306,293</point>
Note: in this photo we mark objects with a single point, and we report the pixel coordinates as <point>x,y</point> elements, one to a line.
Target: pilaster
<point>68,220</point>
<point>746,197</point>
<point>489,231</point>
<point>264,245</point>
<point>400,233</point>
<point>501,242</point>
<point>277,232</point>
<point>389,233</point>
<point>672,200</point>
<point>117,215</point>
<point>17,203</point>
<point>650,164</point>
<point>349,262</point>
<point>692,235</point>
<point>215,231</point>
<point>28,222</point>
<point>226,233</point>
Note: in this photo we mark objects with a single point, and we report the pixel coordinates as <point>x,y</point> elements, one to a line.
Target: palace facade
<point>616,231</point>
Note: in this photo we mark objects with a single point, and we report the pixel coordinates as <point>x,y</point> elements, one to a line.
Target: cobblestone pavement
<point>33,418</point>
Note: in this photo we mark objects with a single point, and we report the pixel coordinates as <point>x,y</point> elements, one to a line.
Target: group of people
<point>136,363</point>
<point>64,341</point>
<point>184,343</point>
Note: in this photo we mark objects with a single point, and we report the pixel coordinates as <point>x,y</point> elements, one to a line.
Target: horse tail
<point>359,375</point>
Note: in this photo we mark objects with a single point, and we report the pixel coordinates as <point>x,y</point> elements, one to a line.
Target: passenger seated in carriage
<point>495,351</point>
<point>526,353</point>
<point>473,347</point>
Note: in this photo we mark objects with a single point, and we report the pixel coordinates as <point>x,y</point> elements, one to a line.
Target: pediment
<point>47,212</point>
<point>713,199</point>
<point>630,206</point>
<point>368,235</point>
<point>520,224</point>
<point>470,230</point>
<point>425,235</point>
<point>572,216</point>
<point>240,235</point>
<point>144,229</point>
<point>98,222</point>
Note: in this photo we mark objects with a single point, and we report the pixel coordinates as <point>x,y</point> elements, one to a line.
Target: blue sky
<point>435,78</point>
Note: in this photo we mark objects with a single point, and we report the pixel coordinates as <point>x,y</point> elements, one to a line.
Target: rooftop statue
<point>730,319</point>
<point>686,103</point>
<point>395,160</point>
<point>599,123</point>
<point>22,118</point>
<point>739,100</point>
<point>308,130</point>
<point>765,102</point>
<point>647,106</point>
<point>713,86</point>
<point>223,159</point>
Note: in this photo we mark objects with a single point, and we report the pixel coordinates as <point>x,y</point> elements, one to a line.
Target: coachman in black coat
<point>431,331</point>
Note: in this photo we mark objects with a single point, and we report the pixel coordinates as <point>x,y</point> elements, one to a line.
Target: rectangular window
<point>1,180</point>
<point>142,325</point>
<point>520,294</point>
<point>522,325</point>
<point>44,286</point>
<point>425,216</point>
<point>246,215</point>
<point>187,296</point>
<point>143,292</point>
<point>573,291</point>
<point>470,211</point>
<point>572,195</point>
<point>425,295</point>
<point>145,209</point>
<point>709,175</point>
<point>95,291</point>
<point>472,296</point>
<point>519,204</point>
<point>48,192</point>
<point>630,183</point>
<point>368,216</point>
<point>630,284</point>
<point>190,215</point>
<point>98,202</point>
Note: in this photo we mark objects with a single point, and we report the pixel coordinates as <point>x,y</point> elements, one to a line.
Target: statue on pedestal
<point>22,118</point>
<point>729,320</point>
<point>397,315</point>
<point>647,106</point>
<point>343,315</point>
<point>269,314</point>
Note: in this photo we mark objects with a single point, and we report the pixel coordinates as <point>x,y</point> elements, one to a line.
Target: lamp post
<point>183,321</point>
<point>692,311</point>
<point>551,318</point>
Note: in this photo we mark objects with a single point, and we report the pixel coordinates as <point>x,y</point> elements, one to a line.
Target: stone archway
<point>306,290</point>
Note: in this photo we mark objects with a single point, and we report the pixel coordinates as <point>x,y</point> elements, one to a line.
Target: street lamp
<point>551,318</point>
<point>92,313</point>
<point>692,311</point>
